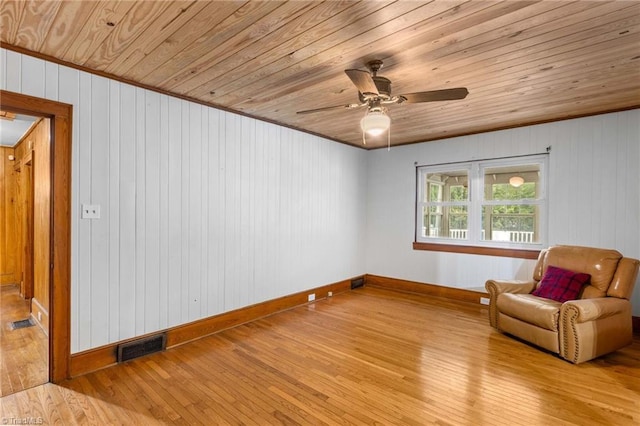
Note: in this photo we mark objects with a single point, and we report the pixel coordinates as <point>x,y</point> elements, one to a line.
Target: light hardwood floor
<point>24,352</point>
<point>368,356</point>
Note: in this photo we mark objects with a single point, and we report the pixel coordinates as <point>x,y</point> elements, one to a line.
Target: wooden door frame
<point>27,282</point>
<point>60,115</point>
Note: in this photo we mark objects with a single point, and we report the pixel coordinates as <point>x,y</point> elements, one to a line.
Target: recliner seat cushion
<point>530,309</point>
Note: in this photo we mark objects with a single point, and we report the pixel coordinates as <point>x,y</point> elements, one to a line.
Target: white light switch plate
<point>90,211</point>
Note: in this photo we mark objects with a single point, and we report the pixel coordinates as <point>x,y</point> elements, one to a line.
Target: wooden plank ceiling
<point>523,61</point>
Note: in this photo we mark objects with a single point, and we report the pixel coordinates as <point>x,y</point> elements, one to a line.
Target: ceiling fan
<point>374,92</point>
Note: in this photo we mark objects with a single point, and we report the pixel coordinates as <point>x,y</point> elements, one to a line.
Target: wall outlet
<point>484,300</point>
<point>330,294</point>
<point>311,297</point>
<point>90,211</point>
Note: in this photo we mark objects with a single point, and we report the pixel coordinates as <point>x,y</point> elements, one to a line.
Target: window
<point>492,203</point>
<point>445,203</point>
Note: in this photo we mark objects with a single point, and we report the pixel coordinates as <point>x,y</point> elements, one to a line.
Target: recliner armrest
<point>594,309</point>
<point>589,328</point>
<point>501,286</point>
<point>497,287</point>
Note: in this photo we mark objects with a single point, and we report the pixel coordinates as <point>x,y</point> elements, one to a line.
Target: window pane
<point>512,223</point>
<point>458,193</point>
<point>447,186</point>
<point>445,222</point>
<point>512,183</point>
<point>434,192</point>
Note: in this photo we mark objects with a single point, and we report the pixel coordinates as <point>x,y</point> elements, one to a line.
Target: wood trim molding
<point>60,280</point>
<point>442,291</point>
<point>104,356</point>
<point>424,288</point>
<point>485,251</point>
<point>195,330</point>
<point>114,77</point>
<point>110,76</point>
<point>37,308</point>
<point>515,126</point>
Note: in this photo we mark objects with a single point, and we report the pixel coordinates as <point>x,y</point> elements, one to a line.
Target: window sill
<point>485,251</point>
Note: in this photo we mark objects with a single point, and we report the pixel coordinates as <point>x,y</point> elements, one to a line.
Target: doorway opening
<point>44,173</point>
<point>25,220</point>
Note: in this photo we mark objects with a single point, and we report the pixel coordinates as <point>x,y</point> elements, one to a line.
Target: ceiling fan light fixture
<point>516,181</point>
<point>375,123</point>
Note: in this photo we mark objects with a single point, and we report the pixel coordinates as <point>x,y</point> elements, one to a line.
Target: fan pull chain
<point>389,139</point>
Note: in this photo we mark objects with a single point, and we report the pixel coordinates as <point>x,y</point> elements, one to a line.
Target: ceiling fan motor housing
<point>383,85</point>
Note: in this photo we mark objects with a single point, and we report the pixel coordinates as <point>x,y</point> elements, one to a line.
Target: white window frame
<point>476,174</point>
<point>422,172</point>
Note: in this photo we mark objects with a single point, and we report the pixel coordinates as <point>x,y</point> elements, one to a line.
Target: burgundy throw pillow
<point>561,285</point>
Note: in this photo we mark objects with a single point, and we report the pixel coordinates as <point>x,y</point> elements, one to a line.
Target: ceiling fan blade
<point>348,106</point>
<point>363,81</point>
<point>436,95</point>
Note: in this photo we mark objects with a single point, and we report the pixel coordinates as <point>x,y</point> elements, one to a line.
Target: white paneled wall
<point>203,211</point>
<point>594,197</point>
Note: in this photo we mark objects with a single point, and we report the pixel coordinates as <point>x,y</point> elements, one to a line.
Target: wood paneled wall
<point>593,197</point>
<point>39,140</point>
<point>202,211</point>
<point>27,217</point>
<point>10,251</point>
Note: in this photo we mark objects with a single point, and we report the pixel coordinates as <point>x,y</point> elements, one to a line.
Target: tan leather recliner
<point>597,323</point>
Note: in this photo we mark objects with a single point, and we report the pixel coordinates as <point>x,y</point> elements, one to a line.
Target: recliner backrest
<point>601,264</point>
